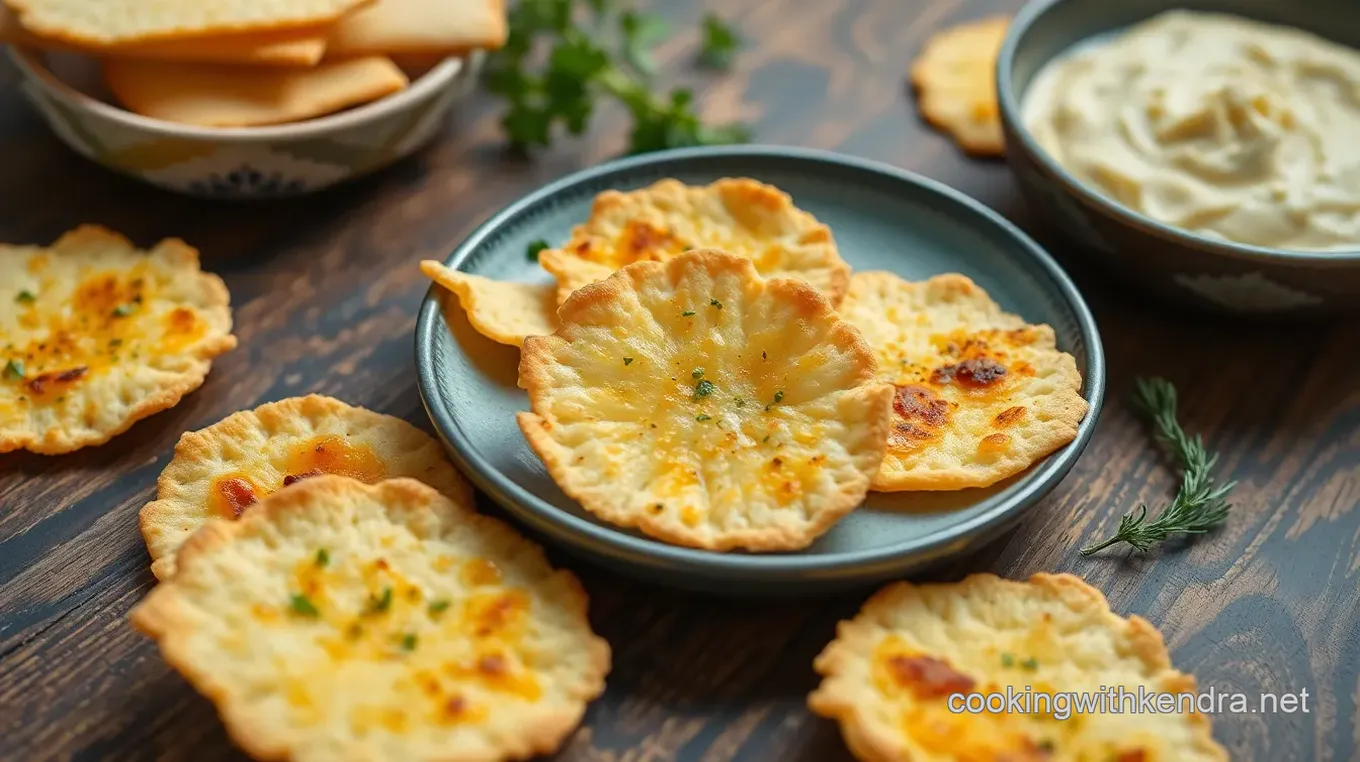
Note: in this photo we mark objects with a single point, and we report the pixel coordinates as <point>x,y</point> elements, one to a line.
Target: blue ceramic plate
<point>883,218</point>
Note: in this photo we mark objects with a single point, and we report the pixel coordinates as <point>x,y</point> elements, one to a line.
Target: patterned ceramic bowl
<point>253,162</point>
<point>1189,268</point>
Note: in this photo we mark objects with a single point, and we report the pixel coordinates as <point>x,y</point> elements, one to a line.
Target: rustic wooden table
<point>325,290</point>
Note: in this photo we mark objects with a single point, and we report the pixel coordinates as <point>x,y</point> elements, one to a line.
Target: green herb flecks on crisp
<point>703,388</point>
<point>687,313</point>
<point>698,373</point>
<point>597,51</point>
<point>715,303</point>
<point>627,361</point>
<point>1200,504</point>
<point>1030,664</point>
<point>14,369</point>
<point>26,297</point>
<point>1007,660</point>
<point>719,45</point>
<point>381,603</point>
<point>408,642</point>
<point>535,248</point>
<point>438,607</point>
<point>123,310</point>
<point>701,418</point>
<point>302,605</point>
<point>322,557</point>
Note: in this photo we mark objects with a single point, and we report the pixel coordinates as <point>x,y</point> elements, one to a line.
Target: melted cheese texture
<point>892,671</point>
<point>220,471</point>
<point>662,221</point>
<point>980,394</point>
<point>705,406</point>
<point>96,335</point>
<point>1219,125</point>
<point>342,621</point>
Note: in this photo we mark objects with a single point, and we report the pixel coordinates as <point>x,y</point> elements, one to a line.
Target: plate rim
<point>619,545</point>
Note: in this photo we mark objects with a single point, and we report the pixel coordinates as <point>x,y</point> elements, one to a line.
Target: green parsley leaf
<point>26,297</point>
<point>701,417</point>
<point>381,604</point>
<point>122,310</point>
<point>687,313</point>
<point>627,361</point>
<point>715,303</point>
<point>641,33</point>
<point>322,557</point>
<point>698,373</point>
<point>779,396</point>
<point>14,369</point>
<point>408,643</point>
<point>1030,664</point>
<point>438,607</point>
<point>302,606</point>
<point>535,249</point>
<point>703,388</point>
<point>1007,660</point>
<point>719,44</point>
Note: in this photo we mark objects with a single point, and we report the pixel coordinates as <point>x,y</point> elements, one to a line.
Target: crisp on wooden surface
<point>1270,603</point>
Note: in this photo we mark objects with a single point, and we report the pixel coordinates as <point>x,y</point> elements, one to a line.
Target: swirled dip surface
<point>1229,128</point>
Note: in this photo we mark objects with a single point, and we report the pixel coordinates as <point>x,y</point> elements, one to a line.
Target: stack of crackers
<point>244,63</point>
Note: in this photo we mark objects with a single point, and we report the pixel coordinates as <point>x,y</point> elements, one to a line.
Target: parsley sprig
<point>599,50</point>
<point>1200,505</point>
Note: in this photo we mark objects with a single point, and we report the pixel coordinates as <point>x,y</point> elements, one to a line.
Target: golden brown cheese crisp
<point>740,216</point>
<point>980,394</point>
<point>423,27</point>
<point>892,671</point>
<point>342,621</point>
<point>955,81</point>
<point>112,22</point>
<point>706,406</point>
<point>499,310</point>
<point>220,471</point>
<point>96,335</point>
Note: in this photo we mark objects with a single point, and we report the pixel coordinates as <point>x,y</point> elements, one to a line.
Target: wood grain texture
<point>325,290</point>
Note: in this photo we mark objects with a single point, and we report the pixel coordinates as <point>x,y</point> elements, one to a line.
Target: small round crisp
<point>905,677</point>
<point>96,335</point>
<point>499,310</point>
<point>981,395</point>
<point>741,216</point>
<point>220,471</point>
<point>343,621</point>
<point>955,80</point>
<point>705,406</point>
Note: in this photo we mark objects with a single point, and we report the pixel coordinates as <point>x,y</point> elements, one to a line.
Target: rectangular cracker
<point>294,47</point>
<point>426,27</point>
<point>222,95</point>
<point>117,22</point>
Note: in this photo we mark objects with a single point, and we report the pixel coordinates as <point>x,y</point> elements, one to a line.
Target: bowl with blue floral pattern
<point>246,162</point>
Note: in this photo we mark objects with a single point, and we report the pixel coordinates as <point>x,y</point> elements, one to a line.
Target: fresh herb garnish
<point>687,313</point>
<point>766,440</point>
<point>627,361</point>
<point>715,303</point>
<point>598,51</point>
<point>739,401</point>
<point>703,388</point>
<point>1200,505</point>
<point>302,606</point>
<point>698,373</point>
<point>383,603</point>
<point>14,369</point>
<point>26,297</point>
<point>720,43</point>
<point>122,310</point>
<point>408,643</point>
<point>779,396</point>
<point>322,557</point>
<point>1007,660</point>
<point>701,417</point>
<point>438,607</point>
<point>535,248</point>
<point>1030,664</point>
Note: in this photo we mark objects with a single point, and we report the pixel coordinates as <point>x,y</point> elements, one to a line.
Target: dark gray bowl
<point>882,218</point>
<point>1186,267</point>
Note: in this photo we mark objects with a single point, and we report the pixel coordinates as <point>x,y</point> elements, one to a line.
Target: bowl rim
<point>595,538</point>
<point>1011,113</point>
<point>424,86</point>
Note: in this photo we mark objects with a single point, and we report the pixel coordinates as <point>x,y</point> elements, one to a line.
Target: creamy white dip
<point>1229,128</point>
